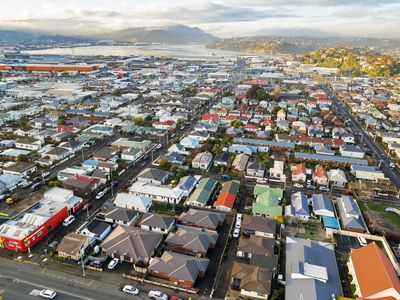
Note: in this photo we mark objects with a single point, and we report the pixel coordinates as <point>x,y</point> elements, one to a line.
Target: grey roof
<point>121,214</point>
<point>372,169</point>
<point>257,223</point>
<point>321,202</point>
<point>153,174</point>
<point>352,148</point>
<point>131,242</point>
<point>98,227</point>
<point>201,218</point>
<point>264,143</point>
<point>315,264</point>
<point>257,245</point>
<point>330,158</point>
<point>179,266</point>
<point>222,157</point>
<point>157,220</point>
<point>254,165</point>
<point>57,151</point>
<point>187,182</point>
<point>267,262</point>
<point>231,187</point>
<point>195,239</point>
<point>350,214</point>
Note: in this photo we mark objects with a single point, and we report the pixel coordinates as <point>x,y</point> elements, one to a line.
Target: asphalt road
<point>18,279</point>
<point>378,153</point>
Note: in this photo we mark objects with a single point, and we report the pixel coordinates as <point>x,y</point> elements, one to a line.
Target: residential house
<point>351,151</point>
<point>191,240</point>
<point>322,205</point>
<point>57,154</point>
<point>28,143</point>
<point>311,270</point>
<point>203,192</point>
<point>259,226</point>
<point>96,230</point>
<point>21,169</point>
<point>73,246</point>
<point>190,143</point>
<point>221,159</point>
<point>202,160</point>
<point>138,203</point>
<point>320,175</point>
<point>157,222</point>
<point>202,219</point>
<point>178,268</point>
<point>159,193</point>
<point>299,173</point>
<point>200,136</point>
<point>255,169</point>
<point>187,184</point>
<point>240,162</point>
<point>350,214</point>
<point>118,215</point>
<point>82,186</point>
<point>251,281</point>
<point>255,245</point>
<point>367,172</point>
<point>154,176</point>
<point>298,207</point>
<point>227,196</point>
<point>337,178</point>
<point>132,244</point>
<point>277,171</point>
<point>373,274</point>
<point>173,158</point>
<point>267,201</point>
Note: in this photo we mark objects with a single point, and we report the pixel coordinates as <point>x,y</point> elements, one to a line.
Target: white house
<point>139,203</point>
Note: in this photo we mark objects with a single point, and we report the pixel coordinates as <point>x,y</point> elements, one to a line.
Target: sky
<point>223,18</point>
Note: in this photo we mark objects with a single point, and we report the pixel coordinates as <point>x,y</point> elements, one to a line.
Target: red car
<point>174,298</point>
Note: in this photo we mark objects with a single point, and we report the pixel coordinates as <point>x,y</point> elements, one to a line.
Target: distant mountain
<point>173,34</point>
<point>18,37</point>
<point>298,45</point>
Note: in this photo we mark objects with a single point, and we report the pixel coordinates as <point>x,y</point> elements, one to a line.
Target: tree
<point>23,123</point>
<point>227,94</point>
<point>276,93</point>
<point>162,163</point>
<point>22,158</point>
<point>257,92</point>
<point>237,123</point>
<point>179,123</point>
<point>138,120</point>
<point>217,148</point>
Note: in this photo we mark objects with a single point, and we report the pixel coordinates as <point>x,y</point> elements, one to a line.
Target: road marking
<point>44,272</point>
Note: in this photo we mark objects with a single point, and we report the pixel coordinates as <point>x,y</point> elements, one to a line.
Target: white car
<point>26,184</point>
<point>49,294</point>
<point>362,241</point>
<point>131,290</point>
<point>392,165</point>
<point>298,185</point>
<point>45,174</point>
<point>323,189</point>
<point>100,195</point>
<point>157,295</point>
<point>113,263</point>
<point>159,146</point>
<point>236,233</point>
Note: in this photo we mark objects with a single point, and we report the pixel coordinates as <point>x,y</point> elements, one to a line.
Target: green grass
<point>391,217</point>
<point>163,209</point>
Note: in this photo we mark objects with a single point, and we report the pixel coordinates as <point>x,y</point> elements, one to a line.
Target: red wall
<point>37,235</point>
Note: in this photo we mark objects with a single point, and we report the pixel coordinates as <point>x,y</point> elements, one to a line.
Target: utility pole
<point>83,267</point>
<point>111,182</point>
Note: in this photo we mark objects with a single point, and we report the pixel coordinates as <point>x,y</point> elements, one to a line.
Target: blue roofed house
<point>322,205</point>
<point>187,184</point>
<point>90,164</point>
<point>298,207</point>
<point>134,202</point>
<point>311,270</point>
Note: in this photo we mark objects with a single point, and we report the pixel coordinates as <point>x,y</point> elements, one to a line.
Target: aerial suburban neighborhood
<point>237,176</point>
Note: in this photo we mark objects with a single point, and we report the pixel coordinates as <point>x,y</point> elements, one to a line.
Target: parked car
<point>157,295</point>
<point>68,221</point>
<point>113,263</point>
<point>311,187</point>
<point>236,233</point>
<point>225,177</point>
<point>298,185</point>
<point>36,185</point>
<point>175,298</point>
<point>261,180</point>
<point>323,188</point>
<point>96,263</point>
<point>362,241</point>
<point>26,184</point>
<point>49,294</point>
<point>131,290</point>
<point>159,146</point>
<point>392,165</point>
<point>45,174</point>
<point>100,195</point>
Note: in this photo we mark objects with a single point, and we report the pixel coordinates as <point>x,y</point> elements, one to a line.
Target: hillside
<point>294,45</point>
<point>174,34</point>
<point>354,61</point>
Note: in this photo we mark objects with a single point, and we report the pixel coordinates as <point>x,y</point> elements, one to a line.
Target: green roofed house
<point>267,201</point>
<point>203,192</point>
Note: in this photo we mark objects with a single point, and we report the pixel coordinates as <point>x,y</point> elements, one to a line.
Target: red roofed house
<point>251,128</point>
<point>320,176</point>
<point>227,196</point>
<point>373,274</point>
<point>67,128</point>
<point>299,174</point>
<point>168,125</point>
<point>206,117</point>
<point>222,112</point>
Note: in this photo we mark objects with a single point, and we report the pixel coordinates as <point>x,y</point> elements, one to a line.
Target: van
<point>362,241</point>
<point>68,221</point>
